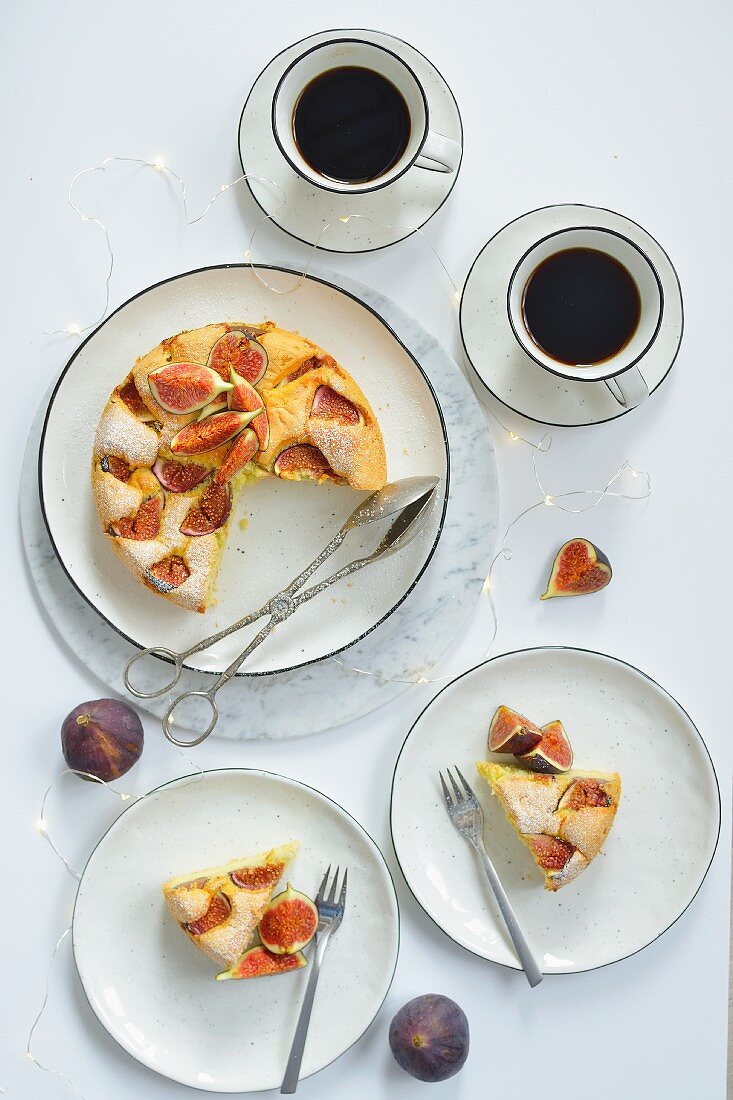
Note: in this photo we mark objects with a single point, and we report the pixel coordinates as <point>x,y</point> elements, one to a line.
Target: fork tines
<point>329,901</point>
<point>459,797</point>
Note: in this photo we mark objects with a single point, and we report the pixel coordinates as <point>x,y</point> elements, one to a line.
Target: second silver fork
<point>330,915</point>
<point>464,810</point>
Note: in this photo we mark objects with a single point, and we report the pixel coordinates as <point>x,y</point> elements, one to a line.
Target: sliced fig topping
<point>304,368</point>
<point>257,878</point>
<point>167,574</point>
<point>206,435</point>
<point>245,398</point>
<point>179,477</point>
<point>216,914</point>
<point>258,962</point>
<point>115,466</point>
<point>211,512</point>
<point>289,923</point>
<point>237,351</point>
<point>129,394</point>
<point>550,852</point>
<point>330,405</point>
<point>512,732</point>
<point>242,450</point>
<point>218,405</point>
<point>584,792</point>
<point>185,387</point>
<point>579,568</point>
<point>303,460</point>
<point>552,754</point>
<point>144,524</point>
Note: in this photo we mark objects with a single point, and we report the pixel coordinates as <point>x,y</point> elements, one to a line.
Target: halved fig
<point>242,450</point>
<point>584,792</point>
<point>167,574</point>
<point>330,405</point>
<point>304,368</point>
<point>258,962</point>
<point>218,405</point>
<point>216,914</point>
<point>208,434</point>
<point>245,398</point>
<point>179,477</point>
<point>129,394</point>
<point>257,878</point>
<point>550,852</point>
<point>185,387</point>
<point>579,568</point>
<point>115,466</point>
<point>552,754</point>
<point>512,732</point>
<point>238,351</point>
<point>303,460</point>
<point>289,923</point>
<point>144,524</point>
<point>211,512</point>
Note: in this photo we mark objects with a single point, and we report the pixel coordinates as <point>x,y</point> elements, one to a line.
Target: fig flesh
<point>429,1037</point>
<point>179,477</point>
<point>585,792</point>
<point>211,512</point>
<point>168,574</point>
<point>258,962</point>
<point>238,351</point>
<point>207,435</point>
<point>512,732</point>
<point>115,466</point>
<point>242,451</point>
<point>144,524</point>
<point>552,754</point>
<point>550,853</point>
<point>244,398</point>
<point>185,387</point>
<point>579,568</point>
<point>128,393</point>
<point>289,923</point>
<point>330,405</point>
<point>304,368</point>
<point>219,910</point>
<point>303,460</point>
<point>103,737</point>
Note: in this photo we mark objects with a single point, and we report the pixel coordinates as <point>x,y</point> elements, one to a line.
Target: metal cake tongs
<point>407,503</point>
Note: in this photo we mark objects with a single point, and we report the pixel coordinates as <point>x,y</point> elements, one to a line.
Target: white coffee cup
<point>424,149</point>
<point>619,372</point>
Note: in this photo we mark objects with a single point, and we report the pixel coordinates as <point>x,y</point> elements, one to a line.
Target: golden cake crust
<point>296,369</point>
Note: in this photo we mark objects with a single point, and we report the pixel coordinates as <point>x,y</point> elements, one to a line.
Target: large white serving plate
<point>277,527</point>
<point>156,993</point>
<point>655,857</point>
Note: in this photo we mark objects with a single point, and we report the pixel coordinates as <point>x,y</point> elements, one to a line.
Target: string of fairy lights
<point>615,487</point>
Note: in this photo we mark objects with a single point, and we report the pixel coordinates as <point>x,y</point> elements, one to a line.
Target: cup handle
<point>439,154</point>
<point>628,388</point>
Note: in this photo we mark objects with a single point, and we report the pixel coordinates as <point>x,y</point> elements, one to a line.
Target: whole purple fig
<point>429,1037</point>
<point>103,737</point>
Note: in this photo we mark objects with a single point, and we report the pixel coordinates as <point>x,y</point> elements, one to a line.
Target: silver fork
<point>330,914</point>
<point>466,814</point>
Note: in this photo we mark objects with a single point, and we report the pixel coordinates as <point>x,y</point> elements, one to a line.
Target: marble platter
<point>403,648</point>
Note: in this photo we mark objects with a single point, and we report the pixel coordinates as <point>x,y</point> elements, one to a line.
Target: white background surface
<point>624,106</point>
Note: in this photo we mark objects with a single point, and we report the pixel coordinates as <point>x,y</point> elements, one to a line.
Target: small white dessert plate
<point>387,215</point>
<point>156,994</point>
<point>503,368</point>
<point>278,527</point>
<point>654,859</point>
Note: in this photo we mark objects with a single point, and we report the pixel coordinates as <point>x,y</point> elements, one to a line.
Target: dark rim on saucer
<point>390,330</point>
<point>526,347</point>
<point>269,775</point>
<point>304,240</point>
<point>479,377</point>
<point>556,649</point>
<point>323,183</point>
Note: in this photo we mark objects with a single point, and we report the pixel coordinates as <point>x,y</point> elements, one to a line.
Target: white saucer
<point>396,210</point>
<point>157,995</point>
<point>655,857</point>
<point>505,370</point>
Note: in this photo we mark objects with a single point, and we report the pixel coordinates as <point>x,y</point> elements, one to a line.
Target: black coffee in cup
<point>581,306</point>
<point>351,124</point>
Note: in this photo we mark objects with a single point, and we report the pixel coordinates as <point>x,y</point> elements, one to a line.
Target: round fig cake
<point>199,416</point>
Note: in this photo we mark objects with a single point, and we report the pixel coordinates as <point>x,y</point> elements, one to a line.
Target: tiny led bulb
<point>549,499</point>
<point>158,164</point>
<point>513,435</point>
<point>41,825</point>
<point>457,295</point>
<point>73,329</point>
<point>345,219</point>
